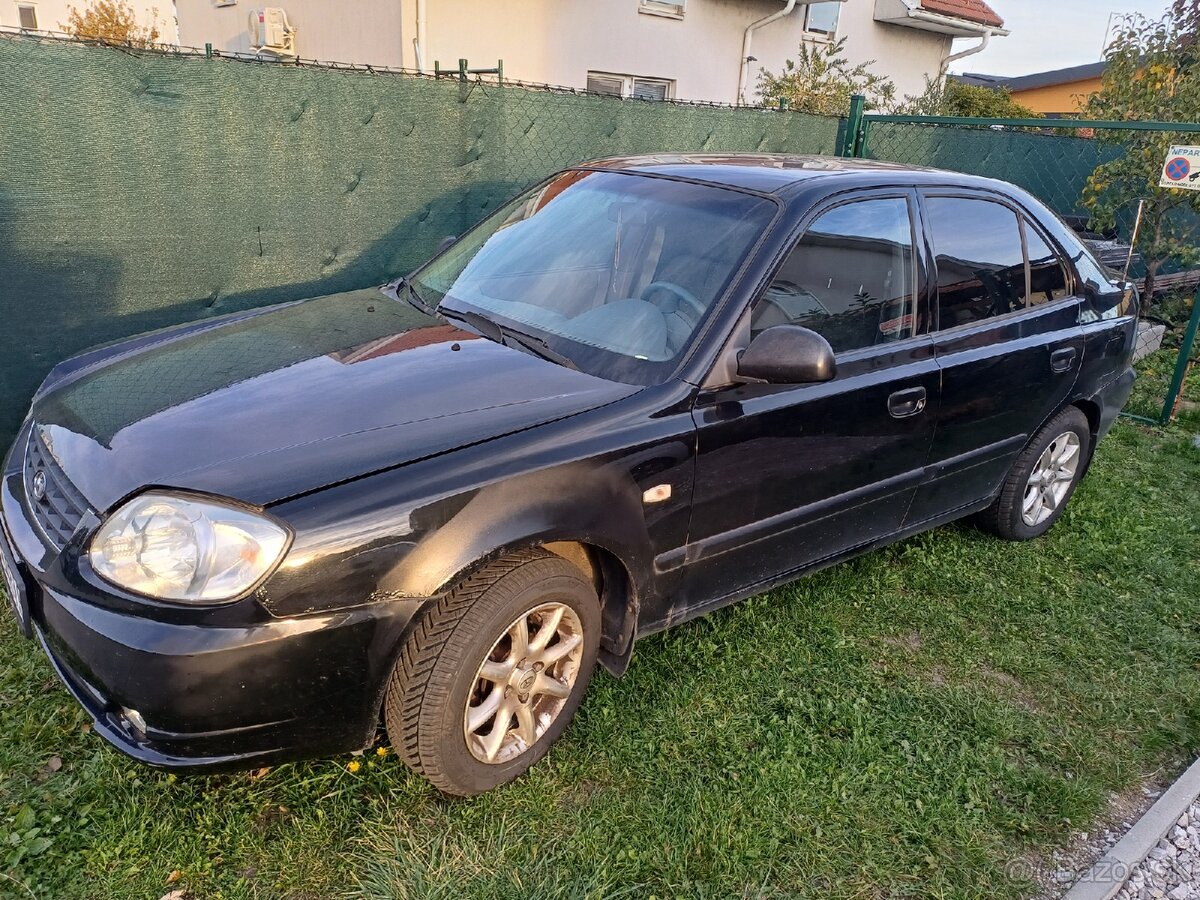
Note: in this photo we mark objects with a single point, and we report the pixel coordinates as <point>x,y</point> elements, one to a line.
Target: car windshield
<point>609,272</point>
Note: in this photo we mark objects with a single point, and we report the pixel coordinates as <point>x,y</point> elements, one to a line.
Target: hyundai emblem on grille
<point>39,485</point>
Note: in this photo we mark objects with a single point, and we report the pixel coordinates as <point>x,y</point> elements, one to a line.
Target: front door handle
<point>908,402</point>
<point>1062,360</point>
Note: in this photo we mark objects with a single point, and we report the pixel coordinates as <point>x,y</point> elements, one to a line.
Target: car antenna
<point>1137,227</point>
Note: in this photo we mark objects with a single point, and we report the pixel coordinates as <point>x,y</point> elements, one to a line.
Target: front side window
<point>850,278</point>
<point>613,271</point>
<point>980,259</point>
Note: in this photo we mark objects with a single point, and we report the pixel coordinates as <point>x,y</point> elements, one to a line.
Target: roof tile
<point>971,10</point>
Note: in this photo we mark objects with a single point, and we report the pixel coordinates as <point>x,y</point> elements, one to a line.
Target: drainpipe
<point>419,40</point>
<point>747,40</point>
<point>971,51</point>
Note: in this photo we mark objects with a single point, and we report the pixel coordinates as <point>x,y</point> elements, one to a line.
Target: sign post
<point>1181,170</point>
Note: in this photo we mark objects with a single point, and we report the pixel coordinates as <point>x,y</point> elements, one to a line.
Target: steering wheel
<point>680,293</point>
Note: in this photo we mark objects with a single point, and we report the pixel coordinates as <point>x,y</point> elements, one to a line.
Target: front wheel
<point>1042,479</point>
<point>492,675</point>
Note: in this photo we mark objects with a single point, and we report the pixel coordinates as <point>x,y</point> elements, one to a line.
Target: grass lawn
<point>902,725</point>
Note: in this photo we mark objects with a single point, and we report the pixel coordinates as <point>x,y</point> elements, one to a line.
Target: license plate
<point>14,584</point>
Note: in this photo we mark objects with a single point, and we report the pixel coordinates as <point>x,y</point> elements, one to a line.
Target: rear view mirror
<point>788,354</point>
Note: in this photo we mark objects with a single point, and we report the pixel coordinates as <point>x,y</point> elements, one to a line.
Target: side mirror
<point>788,354</point>
<point>445,242</point>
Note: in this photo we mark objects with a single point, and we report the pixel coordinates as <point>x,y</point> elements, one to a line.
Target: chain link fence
<point>142,187</point>
<point>1054,162</point>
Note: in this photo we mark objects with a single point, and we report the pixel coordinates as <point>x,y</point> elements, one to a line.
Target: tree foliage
<point>949,97</point>
<point>1152,75</point>
<point>111,20</point>
<point>821,81</point>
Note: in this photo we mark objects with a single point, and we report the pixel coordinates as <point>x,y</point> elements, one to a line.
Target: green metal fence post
<point>208,51</point>
<point>1182,363</point>
<point>462,70</point>
<point>864,134</point>
<point>854,124</point>
<point>499,71</point>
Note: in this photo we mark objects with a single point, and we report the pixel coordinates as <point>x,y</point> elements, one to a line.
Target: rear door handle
<point>908,402</point>
<point>1062,360</point>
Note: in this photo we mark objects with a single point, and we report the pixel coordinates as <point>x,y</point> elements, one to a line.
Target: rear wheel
<point>492,675</point>
<point>1042,479</point>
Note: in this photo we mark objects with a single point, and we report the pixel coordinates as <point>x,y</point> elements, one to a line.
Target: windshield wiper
<point>508,336</point>
<point>402,289</point>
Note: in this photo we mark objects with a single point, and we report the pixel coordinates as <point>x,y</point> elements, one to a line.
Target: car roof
<point>773,173</point>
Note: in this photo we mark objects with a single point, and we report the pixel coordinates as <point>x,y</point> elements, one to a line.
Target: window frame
<point>819,34</point>
<point>920,265</point>
<point>629,84</point>
<point>1024,219</point>
<point>668,9</point>
<point>32,8</point>
<point>668,85</point>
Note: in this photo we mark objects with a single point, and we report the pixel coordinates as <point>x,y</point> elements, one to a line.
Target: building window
<point>821,19</point>
<point>28,16</point>
<point>630,86</point>
<point>670,8</point>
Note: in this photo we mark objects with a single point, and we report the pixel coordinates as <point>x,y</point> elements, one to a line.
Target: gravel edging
<point>1110,873</point>
<point>1172,869</point>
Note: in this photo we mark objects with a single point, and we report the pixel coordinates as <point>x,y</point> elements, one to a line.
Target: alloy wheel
<point>1051,479</point>
<point>523,683</point>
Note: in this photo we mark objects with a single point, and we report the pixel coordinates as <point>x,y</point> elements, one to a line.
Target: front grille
<point>56,504</point>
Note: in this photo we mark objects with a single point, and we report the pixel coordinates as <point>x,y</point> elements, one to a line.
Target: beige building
<point>685,49</point>
<point>51,15</point>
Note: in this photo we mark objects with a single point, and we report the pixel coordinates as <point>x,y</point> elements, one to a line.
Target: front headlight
<point>176,547</point>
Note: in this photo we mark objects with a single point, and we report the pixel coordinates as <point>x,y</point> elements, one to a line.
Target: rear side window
<point>980,259</point>
<point>850,278</point>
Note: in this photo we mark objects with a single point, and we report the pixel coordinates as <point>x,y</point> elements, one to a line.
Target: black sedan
<point>641,390</point>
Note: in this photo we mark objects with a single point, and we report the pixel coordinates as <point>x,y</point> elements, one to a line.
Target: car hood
<point>293,398</point>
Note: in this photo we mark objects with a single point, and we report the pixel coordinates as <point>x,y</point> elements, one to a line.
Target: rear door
<point>1008,342</point>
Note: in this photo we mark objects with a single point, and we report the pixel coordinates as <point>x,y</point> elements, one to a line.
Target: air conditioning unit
<point>270,32</point>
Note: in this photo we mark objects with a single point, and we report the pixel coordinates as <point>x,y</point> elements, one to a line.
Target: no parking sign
<point>1182,169</point>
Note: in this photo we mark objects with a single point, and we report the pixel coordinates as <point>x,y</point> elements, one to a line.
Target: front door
<point>789,475</point>
<point>1008,342</point>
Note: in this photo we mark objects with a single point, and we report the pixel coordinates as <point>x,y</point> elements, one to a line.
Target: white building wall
<point>52,15</point>
<point>559,41</point>
<point>353,31</point>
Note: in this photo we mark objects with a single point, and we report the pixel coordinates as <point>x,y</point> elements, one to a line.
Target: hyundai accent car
<point>641,390</point>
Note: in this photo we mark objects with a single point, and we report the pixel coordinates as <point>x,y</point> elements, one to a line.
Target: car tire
<point>1042,480</point>
<point>465,657</point>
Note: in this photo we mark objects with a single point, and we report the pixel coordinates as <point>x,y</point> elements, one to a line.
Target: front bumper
<point>209,697</point>
<point>206,688</point>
